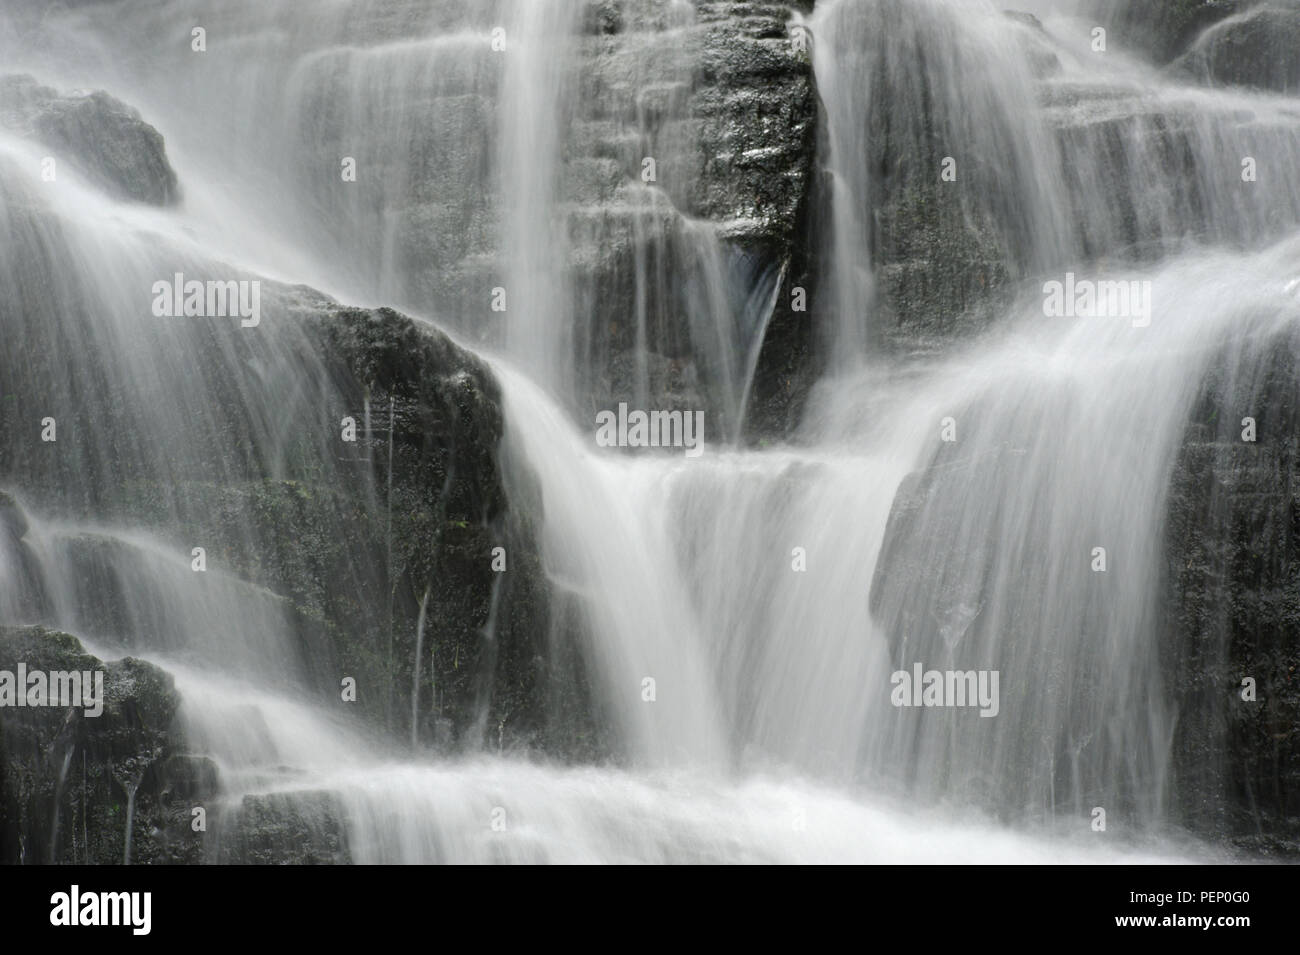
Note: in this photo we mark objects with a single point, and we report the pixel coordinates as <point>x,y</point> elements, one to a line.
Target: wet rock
<point>496,676</point>
<point>602,16</point>
<point>1157,159</point>
<point>125,597</point>
<point>303,828</point>
<point>1111,141</point>
<point>1258,49</point>
<point>1232,579</point>
<point>940,271</point>
<point>1039,48</point>
<point>1164,29</point>
<point>25,596</point>
<point>96,134</point>
<point>65,776</point>
<point>12,520</point>
<point>337,546</point>
<point>725,105</point>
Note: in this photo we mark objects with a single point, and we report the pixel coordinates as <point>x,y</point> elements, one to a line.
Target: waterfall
<point>58,798</point>
<point>903,84</point>
<point>538,88</point>
<point>997,504</point>
<point>415,680</point>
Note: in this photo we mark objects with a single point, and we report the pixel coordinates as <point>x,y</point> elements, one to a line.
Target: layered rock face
<point>1128,173</point>
<point>669,162</point>
<point>723,103</point>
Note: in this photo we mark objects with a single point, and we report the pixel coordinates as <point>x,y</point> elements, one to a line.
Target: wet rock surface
<point>1259,49</point>
<point>68,779</point>
<point>284,829</point>
<point>724,104</point>
<point>1232,606</point>
<point>1164,29</point>
<point>96,134</point>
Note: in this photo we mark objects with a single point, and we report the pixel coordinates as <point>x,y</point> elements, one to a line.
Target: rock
<point>24,596</point>
<point>942,249</point>
<point>496,679</point>
<point>1110,136</point>
<point>1233,612</point>
<point>126,599</point>
<point>306,547</point>
<point>292,828</point>
<point>64,775</point>
<point>940,271</point>
<point>1038,46</point>
<point>714,91</point>
<point>727,108</point>
<point>602,17</point>
<point>96,134</point>
<point>1259,49</point>
<point>12,520</point>
<point>755,103</point>
<point>1164,29</point>
<point>1155,158</point>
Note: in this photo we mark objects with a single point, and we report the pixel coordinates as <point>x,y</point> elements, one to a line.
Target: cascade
<point>994,509</point>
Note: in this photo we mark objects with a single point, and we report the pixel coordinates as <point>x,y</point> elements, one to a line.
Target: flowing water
<point>766,592</point>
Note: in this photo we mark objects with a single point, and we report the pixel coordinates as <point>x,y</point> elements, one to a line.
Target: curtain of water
<point>767,595</point>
